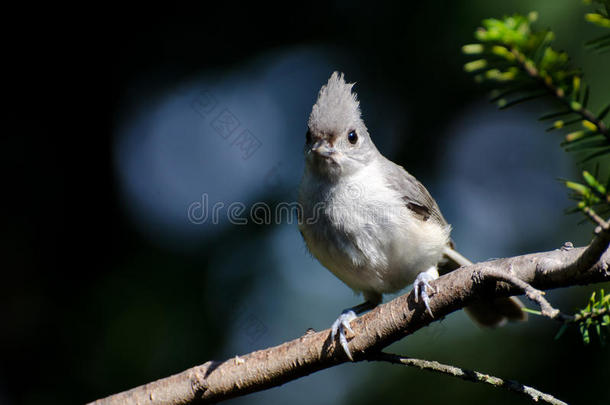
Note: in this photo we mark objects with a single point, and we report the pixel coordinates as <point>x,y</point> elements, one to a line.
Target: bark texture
<point>215,381</point>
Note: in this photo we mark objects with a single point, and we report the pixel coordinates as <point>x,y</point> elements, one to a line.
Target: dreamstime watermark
<point>238,213</point>
<point>226,124</point>
<point>230,128</point>
<point>262,213</point>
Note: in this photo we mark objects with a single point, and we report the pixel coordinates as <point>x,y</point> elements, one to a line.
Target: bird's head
<point>337,142</point>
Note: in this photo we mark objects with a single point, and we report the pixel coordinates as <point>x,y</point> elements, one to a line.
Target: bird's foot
<point>340,325</point>
<point>422,283</point>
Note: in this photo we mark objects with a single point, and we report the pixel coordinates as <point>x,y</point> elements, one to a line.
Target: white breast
<point>361,230</point>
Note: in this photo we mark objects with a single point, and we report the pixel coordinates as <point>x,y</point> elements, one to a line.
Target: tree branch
<point>530,292</point>
<point>468,375</point>
<point>215,381</point>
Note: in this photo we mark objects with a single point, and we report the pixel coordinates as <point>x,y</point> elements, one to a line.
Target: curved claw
<point>421,284</point>
<point>340,325</point>
<point>426,299</point>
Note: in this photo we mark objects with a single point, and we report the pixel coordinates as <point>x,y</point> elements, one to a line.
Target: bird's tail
<point>489,313</point>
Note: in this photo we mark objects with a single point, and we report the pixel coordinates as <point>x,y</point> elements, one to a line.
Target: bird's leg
<point>421,283</point>
<point>343,321</point>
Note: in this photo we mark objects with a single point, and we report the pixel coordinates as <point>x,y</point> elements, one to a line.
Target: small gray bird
<point>370,222</point>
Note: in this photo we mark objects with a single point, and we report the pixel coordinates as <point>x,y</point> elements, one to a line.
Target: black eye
<point>352,137</point>
<point>308,136</point>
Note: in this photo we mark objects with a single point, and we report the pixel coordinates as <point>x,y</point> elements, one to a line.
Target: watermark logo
<point>226,124</point>
<point>204,103</point>
<point>349,211</point>
<point>247,143</point>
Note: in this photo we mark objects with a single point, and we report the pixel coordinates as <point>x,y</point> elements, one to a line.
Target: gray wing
<point>414,194</point>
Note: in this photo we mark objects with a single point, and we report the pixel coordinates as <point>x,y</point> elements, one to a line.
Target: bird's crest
<point>336,107</point>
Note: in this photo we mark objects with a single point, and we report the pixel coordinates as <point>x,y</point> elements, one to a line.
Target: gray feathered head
<point>337,139</point>
<point>336,106</point>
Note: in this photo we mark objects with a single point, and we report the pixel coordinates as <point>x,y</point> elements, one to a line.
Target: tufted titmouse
<point>370,222</point>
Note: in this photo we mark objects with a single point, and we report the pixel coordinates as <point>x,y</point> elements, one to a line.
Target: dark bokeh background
<point>107,284</point>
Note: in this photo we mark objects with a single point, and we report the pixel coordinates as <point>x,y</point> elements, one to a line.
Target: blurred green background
<point>113,278</point>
